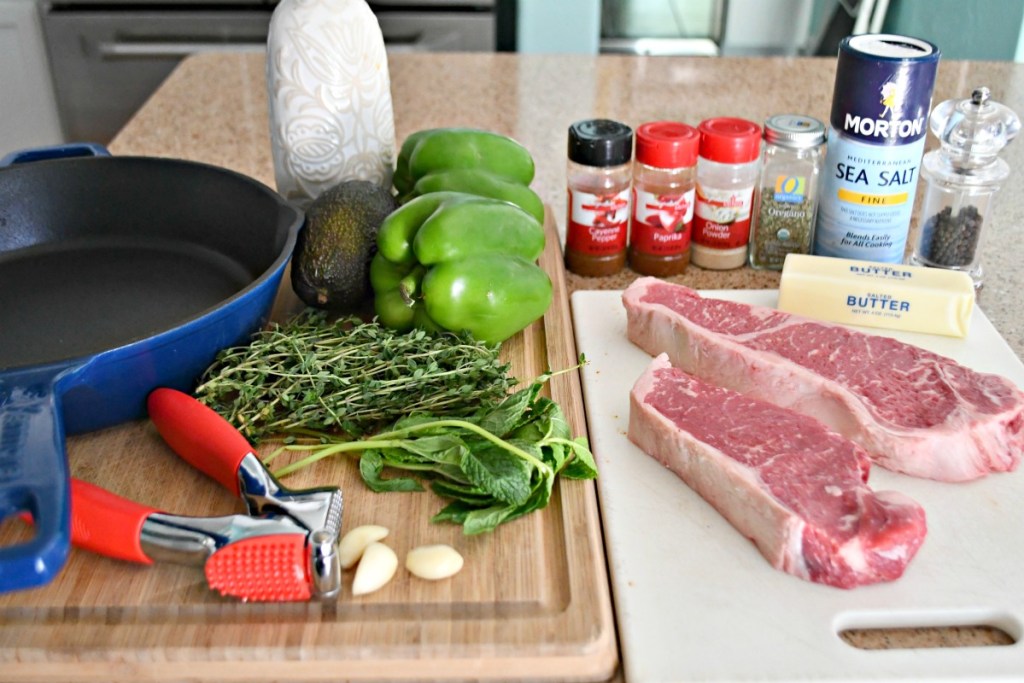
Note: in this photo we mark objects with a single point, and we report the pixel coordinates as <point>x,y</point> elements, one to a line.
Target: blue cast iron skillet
<point>117,275</point>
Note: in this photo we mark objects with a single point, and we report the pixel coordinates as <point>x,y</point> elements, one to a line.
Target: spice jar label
<point>785,222</point>
<point>722,217</point>
<point>789,189</point>
<point>598,223</point>
<point>662,222</point>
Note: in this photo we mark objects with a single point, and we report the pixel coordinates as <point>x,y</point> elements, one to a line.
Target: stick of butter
<point>890,295</point>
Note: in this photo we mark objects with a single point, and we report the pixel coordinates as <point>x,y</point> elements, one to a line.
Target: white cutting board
<point>695,601</point>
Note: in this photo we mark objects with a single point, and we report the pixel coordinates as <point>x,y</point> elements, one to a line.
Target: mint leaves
<point>493,467</point>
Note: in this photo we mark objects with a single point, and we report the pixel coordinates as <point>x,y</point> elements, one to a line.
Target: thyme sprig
<point>314,376</point>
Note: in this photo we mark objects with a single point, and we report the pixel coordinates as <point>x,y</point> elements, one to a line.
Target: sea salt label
<point>876,140</point>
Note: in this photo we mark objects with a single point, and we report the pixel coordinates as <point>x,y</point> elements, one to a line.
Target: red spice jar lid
<point>730,140</point>
<point>667,144</point>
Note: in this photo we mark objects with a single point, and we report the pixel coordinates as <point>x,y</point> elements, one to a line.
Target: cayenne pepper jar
<point>727,171</point>
<point>664,176</point>
<point>598,173</point>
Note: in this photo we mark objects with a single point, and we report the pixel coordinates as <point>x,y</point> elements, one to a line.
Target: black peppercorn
<point>948,240</point>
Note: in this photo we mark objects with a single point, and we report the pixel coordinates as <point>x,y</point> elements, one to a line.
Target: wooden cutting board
<point>532,601</point>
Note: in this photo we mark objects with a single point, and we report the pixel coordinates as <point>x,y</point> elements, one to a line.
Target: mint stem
<point>397,439</point>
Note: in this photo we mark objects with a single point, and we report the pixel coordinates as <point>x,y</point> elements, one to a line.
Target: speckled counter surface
<point>213,108</point>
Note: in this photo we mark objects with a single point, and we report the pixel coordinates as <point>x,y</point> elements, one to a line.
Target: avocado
<point>331,261</point>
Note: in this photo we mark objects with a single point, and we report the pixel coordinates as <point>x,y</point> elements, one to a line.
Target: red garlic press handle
<point>106,523</point>
<point>199,435</point>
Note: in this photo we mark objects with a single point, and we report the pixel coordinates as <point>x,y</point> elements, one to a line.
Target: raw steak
<point>784,480</point>
<point>914,411</point>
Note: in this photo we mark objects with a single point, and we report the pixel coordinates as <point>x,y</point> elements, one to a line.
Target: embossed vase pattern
<point>329,91</point>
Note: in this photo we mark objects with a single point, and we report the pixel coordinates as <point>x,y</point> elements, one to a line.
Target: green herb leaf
<point>486,519</point>
<point>494,467</point>
<point>499,472</point>
<point>444,448</point>
<point>582,465</point>
<point>509,413</point>
<point>454,512</point>
<point>465,492</point>
<point>371,466</point>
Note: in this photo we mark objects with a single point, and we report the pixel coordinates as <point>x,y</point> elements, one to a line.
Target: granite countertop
<point>213,109</point>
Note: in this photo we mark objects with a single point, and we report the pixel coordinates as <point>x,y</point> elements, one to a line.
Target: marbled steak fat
<point>782,479</point>
<point>912,410</point>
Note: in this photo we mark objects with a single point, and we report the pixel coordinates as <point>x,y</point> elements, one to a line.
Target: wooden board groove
<point>532,602</point>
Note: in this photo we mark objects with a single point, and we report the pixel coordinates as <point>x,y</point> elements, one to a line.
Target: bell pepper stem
<point>409,286</point>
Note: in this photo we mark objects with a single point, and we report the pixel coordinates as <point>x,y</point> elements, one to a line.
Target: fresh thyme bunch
<point>313,376</point>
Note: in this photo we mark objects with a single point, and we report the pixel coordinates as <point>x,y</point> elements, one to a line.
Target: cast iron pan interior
<point>97,253</point>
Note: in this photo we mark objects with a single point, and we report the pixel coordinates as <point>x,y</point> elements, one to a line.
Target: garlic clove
<point>376,567</point>
<point>433,562</point>
<point>352,544</point>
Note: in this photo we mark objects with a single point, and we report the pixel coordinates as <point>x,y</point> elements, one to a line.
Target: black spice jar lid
<point>600,142</point>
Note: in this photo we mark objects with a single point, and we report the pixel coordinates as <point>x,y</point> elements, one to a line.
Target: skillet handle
<point>34,476</point>
<point>75,149</point>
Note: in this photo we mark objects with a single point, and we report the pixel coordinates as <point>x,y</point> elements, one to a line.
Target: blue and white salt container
<point>876,139</point>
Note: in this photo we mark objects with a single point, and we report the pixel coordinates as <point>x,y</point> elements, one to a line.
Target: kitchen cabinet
<point>28,112</point>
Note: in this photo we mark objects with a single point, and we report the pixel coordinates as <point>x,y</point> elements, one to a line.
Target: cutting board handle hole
<point>909,638</point>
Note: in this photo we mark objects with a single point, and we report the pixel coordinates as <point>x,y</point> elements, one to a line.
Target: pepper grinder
<point>962,178</point>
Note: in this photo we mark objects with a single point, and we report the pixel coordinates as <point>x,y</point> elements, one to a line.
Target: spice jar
<point>787,200</point>
<point>727,164</point>
<point>598,174</point>
<point>664,177</point>
<point>962,178</point>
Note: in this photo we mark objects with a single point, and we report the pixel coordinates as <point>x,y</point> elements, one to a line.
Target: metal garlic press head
<point>284,549</point>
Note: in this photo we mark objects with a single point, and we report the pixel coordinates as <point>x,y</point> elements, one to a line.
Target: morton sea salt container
<point>879,117</point>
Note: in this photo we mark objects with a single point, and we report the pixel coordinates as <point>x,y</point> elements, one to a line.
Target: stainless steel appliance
<point>108,56</point>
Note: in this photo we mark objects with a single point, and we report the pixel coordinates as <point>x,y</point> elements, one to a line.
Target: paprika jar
<point>664,177</point>
<point>598,175</point>
<point>727,171</point>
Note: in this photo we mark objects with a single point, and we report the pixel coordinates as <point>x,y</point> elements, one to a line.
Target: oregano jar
<point>787,201</point>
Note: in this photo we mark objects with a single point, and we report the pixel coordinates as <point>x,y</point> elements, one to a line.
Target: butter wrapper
<point>887,295</point>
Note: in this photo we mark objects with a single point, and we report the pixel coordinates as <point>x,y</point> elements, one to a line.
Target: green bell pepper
<point>443,226</point>
<point>482,183</point>
<point>492,296</point>
<point>466,148</point>
<point>460,262</point>
<point>440,149</point>
<point>402,179</point>
<point>393,289</point>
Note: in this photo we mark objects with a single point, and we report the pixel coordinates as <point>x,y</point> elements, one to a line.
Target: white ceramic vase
<point>329,92</point>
